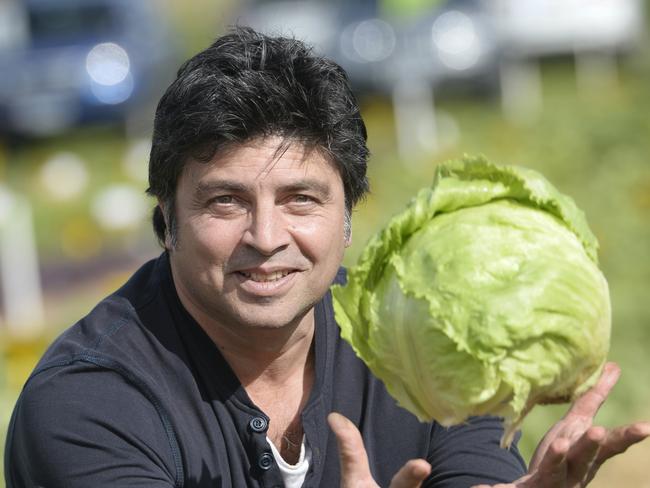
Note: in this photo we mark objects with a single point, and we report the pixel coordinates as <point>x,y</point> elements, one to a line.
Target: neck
<point>258,354</point>
<point>268,356</point>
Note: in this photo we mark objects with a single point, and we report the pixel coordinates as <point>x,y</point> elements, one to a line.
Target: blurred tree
<point>406,8</point>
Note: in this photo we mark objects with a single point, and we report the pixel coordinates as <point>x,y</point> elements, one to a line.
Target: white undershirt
<point>293,475</point>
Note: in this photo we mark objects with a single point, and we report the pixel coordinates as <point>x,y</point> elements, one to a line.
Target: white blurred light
<point>313,22</point>
<point>14,32</point>
<point>120,207</point>
<point>64,176</point>
<point>113,94</point>
<point>19,274</point>
<point>136,159</point>
<point>454,36</point>
<point>370,41</point>
<point>108,64</point>
<point>6,203</point>
<point>449,134</point>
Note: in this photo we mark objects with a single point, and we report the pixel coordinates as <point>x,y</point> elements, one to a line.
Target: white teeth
<point>266,277</point>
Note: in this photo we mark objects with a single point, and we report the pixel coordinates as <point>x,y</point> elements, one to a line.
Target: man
<point>218,363</point>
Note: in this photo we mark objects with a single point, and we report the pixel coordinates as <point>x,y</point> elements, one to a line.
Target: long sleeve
<point>81,425</point>
<point>469,454</point>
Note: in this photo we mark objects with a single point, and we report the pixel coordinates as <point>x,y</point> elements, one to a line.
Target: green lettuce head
<point>483,297</point>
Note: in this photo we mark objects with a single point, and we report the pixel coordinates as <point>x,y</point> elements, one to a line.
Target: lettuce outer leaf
<point>483,297</point>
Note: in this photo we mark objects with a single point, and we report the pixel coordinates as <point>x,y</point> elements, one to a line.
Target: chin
<point>272,320</point>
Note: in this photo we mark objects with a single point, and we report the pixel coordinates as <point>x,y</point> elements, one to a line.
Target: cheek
<point>212,241</point>
<point>320,238</point>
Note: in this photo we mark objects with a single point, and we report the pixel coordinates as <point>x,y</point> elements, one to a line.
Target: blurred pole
<point>19,271</point>
<point>415,117</point>
<point>596,70</point>
<point>521,90</point>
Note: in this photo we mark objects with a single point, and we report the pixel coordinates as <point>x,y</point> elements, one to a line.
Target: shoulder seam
<point>114,328</point>
<point>90,356</point>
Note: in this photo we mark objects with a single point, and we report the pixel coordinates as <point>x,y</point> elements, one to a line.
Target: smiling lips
<point>273,283</point>
<point>265,277</point>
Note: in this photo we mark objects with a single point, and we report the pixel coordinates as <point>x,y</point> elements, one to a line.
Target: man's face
<point>260,237</point>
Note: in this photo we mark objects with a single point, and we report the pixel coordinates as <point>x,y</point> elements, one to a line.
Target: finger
<point>552,470</point>
<point>620,438</point>
<point>355,470</point>
<point>588,403</point>
<point>583,454</point>
<point>411,475</point>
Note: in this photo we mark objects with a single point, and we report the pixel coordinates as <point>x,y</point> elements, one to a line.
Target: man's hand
<point>568,456</point>
<point>571,452</point>
<point>355,472</point>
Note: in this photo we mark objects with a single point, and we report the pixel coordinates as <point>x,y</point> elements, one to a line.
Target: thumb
<point>355,471</point>
<point>412,474</point>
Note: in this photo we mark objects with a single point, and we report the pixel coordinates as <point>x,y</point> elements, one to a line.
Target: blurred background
<point>561,86</point>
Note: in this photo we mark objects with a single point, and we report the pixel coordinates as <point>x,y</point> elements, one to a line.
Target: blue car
<point>64,63</point>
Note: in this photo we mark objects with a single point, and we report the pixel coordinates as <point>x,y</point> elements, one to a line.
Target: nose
<point>267,231</point>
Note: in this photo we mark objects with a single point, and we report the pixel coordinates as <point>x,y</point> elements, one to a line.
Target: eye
<point>300,198</point>
<point>223,200</point>
<point>301,203</point>
<point>226,205</point>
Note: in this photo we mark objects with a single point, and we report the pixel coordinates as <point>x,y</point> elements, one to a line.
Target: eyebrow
<point>309,184</point>
<point>206,188</point>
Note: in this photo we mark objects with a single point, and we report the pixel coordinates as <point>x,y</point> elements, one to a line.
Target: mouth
<point>265,277</point>
<point>266,284</point>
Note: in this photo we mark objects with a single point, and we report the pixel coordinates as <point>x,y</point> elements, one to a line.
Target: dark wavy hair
<point>247,85</point>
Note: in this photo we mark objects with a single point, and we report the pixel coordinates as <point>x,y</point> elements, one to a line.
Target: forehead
<point>263,161</point>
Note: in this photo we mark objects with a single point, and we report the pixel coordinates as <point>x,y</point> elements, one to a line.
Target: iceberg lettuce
<point>483,297</point>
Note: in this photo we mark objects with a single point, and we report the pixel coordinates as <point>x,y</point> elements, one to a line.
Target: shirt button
<point>265,461</point>
<point>258,424</point>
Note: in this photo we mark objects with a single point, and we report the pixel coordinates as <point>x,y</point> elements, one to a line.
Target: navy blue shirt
<point>136,394</point>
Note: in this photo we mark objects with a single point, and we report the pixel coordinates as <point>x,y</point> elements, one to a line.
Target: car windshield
<point>54,23</point>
